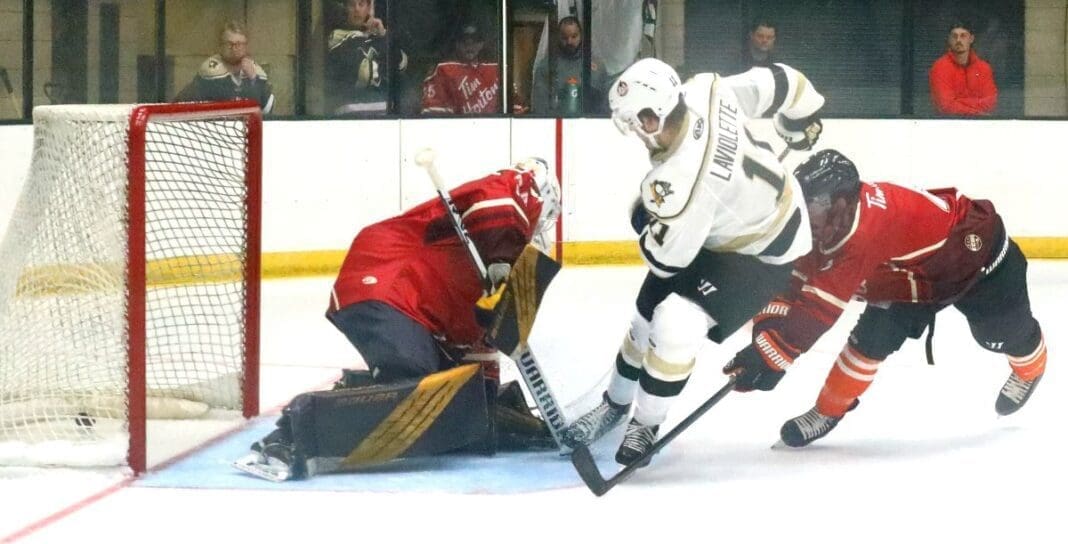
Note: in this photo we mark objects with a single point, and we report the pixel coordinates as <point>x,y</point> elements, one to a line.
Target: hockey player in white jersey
<point>720,223</point>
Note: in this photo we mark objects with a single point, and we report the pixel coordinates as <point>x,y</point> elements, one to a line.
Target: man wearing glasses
<point>230,74</point>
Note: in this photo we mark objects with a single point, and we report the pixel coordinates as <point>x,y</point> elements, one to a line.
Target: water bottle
<point>570,105</point>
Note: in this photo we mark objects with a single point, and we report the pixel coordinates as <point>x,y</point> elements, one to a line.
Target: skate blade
<point>254,465</point>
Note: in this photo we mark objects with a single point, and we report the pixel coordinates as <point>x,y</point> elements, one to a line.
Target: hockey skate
<point>809,427</point>
<point>595,423</point>
<point>272,459</point>
<point>1014,394</point>
<point>636,442</point>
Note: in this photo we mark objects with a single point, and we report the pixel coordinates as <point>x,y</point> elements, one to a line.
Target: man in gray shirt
<point>549,98</point>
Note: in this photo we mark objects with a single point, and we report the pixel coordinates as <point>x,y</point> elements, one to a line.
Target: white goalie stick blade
<point>543,396</point>
<point>261,466</point>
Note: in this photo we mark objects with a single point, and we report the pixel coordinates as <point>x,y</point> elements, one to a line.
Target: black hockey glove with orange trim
<point>761,364</point>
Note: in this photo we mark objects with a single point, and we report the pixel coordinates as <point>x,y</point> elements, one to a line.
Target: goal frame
<point>136,281</point>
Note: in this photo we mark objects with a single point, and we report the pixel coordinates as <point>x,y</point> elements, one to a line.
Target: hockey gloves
<point>760,365</point>
<point>485,306</point>
<point>799,134</point>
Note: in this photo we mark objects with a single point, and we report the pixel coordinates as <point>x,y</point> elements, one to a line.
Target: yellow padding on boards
<point>87,277</point>
<point>411,418</point>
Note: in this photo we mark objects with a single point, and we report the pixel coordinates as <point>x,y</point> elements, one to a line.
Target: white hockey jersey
<point>719,188</point>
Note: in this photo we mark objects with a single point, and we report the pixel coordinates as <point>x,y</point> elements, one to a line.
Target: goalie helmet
<point>825,175</point>
<point>649,84</point>
<point>549,191</point>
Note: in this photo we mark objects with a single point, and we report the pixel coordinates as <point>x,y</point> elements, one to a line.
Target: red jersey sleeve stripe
<point>496,203</point>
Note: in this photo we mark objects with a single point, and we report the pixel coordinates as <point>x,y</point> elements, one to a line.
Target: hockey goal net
<point>131,279</point>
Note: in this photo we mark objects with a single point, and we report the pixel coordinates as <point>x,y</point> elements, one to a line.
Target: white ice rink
<point>923,459</point>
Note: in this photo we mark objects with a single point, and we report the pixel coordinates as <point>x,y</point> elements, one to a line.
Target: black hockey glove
<point>799,134</point>
<point>752,372</point>
<point>639,217</point>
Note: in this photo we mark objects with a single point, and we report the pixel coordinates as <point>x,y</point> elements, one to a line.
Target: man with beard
<point>961,82</point>
<point>230,74</point>
<point>548,98</point>
<point>467,84</point>
<point>358,52</point>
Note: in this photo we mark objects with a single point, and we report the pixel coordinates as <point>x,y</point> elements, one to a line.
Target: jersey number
<point>756,170</point>
<point>659,231</point>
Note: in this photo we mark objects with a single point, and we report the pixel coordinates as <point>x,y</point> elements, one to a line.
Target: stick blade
<point>582,460</point>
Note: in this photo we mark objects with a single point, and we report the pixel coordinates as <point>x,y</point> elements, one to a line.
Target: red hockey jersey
<point>417,264</point>
<point>456,87</point>
<point>906,245</point>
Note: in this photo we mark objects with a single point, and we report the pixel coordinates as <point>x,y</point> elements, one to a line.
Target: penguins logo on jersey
<point>661,190</point>
<point>698,129</point>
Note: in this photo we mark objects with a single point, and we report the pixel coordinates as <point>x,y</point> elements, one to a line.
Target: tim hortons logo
<point>973,242</point>
<point>622,88</point>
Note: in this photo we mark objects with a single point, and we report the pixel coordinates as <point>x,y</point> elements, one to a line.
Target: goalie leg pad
<point>354,428</point>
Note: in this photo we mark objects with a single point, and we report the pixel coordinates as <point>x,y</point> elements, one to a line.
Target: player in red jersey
<point>908,253</point>
<point>406,299</point>
<point>465,85</point>
<point>406,291</point>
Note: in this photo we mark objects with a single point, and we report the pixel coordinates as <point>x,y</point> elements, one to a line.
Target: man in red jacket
<point>908,253</point>
<point>961,82</point>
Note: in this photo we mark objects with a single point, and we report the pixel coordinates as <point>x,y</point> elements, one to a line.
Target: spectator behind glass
<point>961,82</point>
<point>357,78</point>
<point>548,99</point>
<point>759,45</point>
<point>230,74</point>
<point>467,84</point>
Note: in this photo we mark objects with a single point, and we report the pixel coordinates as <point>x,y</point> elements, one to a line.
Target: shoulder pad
<point>340,35</point>
<point>698,89</point>
<point>213,68</point>
<point>668,188</point>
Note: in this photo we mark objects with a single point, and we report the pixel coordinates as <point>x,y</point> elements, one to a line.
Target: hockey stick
<point>583,461</point>
<point>425,159</point>
<point>522,287</point>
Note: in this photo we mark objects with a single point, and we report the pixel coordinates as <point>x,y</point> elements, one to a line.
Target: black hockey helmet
<point>825,175</point>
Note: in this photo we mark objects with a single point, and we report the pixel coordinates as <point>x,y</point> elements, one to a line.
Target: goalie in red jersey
<point>408,298</point>
<point>909,253</point>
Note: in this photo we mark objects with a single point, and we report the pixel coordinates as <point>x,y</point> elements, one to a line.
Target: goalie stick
<point>587,469</point>
<point>514,315</point>
<point>425,159</point>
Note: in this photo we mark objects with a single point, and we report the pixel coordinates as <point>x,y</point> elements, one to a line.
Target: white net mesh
<point>63,295</point>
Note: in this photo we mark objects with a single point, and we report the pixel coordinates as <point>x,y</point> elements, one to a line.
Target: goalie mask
<point>549,192</point>
<point>649,84</point>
